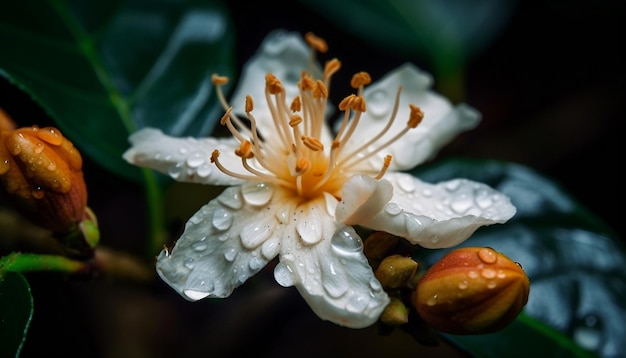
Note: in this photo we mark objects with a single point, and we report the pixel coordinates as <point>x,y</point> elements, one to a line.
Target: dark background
<point>550,88</point>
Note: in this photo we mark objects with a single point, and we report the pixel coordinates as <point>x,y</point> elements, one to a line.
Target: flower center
<point>301,156</point>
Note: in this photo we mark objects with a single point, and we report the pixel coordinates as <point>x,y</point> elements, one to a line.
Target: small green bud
<point>395,271</point>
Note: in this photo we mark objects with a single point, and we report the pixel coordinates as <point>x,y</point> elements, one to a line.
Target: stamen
<point>383,170</point>
<point>306,82</point>
<point>302,165</point>
<point>258,176</point>
<point>249,104</point>
<point>415,117</point>
<point>244,150</point>
<point>313,144</point>
<point>226,120</point>
<point>320,90</point>
<point>295,120</point>
<point>219,80</point>
<point>359,80</point>
<point>296,105</point>
<point>316,43</point>
<point>273,84</point>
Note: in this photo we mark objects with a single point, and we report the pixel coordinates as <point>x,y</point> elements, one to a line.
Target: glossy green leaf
<point>574,262</point>
<point>103,69</point>
<point>16,311</point>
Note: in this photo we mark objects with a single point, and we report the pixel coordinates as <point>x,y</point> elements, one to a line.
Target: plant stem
<point>22,262</point>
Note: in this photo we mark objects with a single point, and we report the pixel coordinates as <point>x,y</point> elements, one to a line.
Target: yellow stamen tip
<point>354,102</point>
<point>226,117</point>
<point>245,150</point>
<point>214,155</point>
<point>317,43</point>
<point>249,104</point>
<point>296,105</point>
<point>313,143</point>
<point>302,165</point>
<point>306,83</point>
<point>219,80</point>
<point>273,84</point>
<point>331,66</point>
<point>415,117</point>
<point>360,79</point>
<point>295,120</point>
<point>320,90</point>
<point>383,170</point>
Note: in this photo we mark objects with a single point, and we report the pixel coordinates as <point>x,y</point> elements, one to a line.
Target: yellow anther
<point>317,43</point>
<point>226,116</point>
<point>335,144</point>
<point>313,143</point>
<point>354,102</point>
<point>295,120</point>
<point>302,165</point>
<point>360,79</point>
<point>320,90</point>
<point>219,80</point>
<point>214,155</point>
<point>296,105</point>
<point>273,84</point>
<point>415,117</point>
<point>245,150</point>
<point>249,104</point>
<point>331,66</point>
<point>306,83</point>
<point>386,164</point>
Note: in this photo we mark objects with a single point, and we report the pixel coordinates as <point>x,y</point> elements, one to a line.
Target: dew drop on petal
<point>375,285</point>
<point>256,263</point>
<point>39,147</point>
<point>346,240</point>
<point>258,194</point>
<point>393,209</point>
<point>175,170</point>
<point>282,215</point>
<point>284,275</point>
<point>254,234</point>
<point>472,274</point>
<point>357,303</point>
<point>195,295</point>
<point>203,171</point>
<point>431,301</point>
<point>270,248</point>
<point>406,183</point>
<point>487,255</point>
<point>230,254</point>
<point>491,285</point>
<point>188,263</point>
<point>453,185</point>
<point>461,204</point>
<point>37,193</point>
<point>463,285</point>
<point>195,159</point>
<point>379,103</point>
<point>51,166</point>
<point>4,166</point>
<point>222,219</point>
<point>309,231</point>
<point>231,198</point>
<point>427,193</point>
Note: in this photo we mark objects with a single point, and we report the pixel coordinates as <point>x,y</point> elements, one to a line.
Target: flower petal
<point>226,242</point>
<point>433,216</point>
<point>183,159</point>
<point>441,123</point>
<point>332,275</point>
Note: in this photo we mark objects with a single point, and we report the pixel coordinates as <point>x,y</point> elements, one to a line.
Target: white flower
<point>295,189</point>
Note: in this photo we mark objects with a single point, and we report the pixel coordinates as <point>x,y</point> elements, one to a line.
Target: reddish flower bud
<point>471,290</point>
<point>42,172</point>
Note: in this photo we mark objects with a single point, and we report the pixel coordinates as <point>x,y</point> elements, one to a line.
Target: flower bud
<point>42,172</point>
<point>395,271</point>
<point>396,313</point>
<point>471,290</point>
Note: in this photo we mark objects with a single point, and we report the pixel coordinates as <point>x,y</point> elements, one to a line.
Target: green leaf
<point>16,312</point>
<point>573,259</point>
<point>102,69</point>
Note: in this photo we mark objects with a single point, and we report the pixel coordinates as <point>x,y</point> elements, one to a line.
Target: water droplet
<point>406,183</point>
<point>256,264</point>
<point>375,285</point>
<point>51,166</point>
<point>427,192</point>
<point>39,147</point>
<point>491,285</point>
<point>15,149</point>
<point>4,166</point>
<point>204,171</point>
<point>37,193</point>
<point>472,274</point>
<point>284,275</point>
<point>432,300</point>
<point>282,215</point>
<point>412,223</point>
<point>346,240</point>
<point>482,198</point>
<point>588,332</point>
<point>453,185</point>
<point>257,194</point>
<point>255,234</point>
<point>463,285</point>
<point>230,254</point>
<point>50,135</point>
<point>462,204</point>
<point>357,303</point>
<point>393,209</point>
<point>188,263</point>
<point>195,159</point>
<point>488,273</point>
<point>231,198</point>
<point>487,255</point>
<point>200,245</point>
<point>310,229</point>
<point>378,103</point>
<point>222,219</point>
<point>175,170</point>
<point>501,274</point>
<point>195,295</point>
<point>182,150</point>
<point>334,284</point>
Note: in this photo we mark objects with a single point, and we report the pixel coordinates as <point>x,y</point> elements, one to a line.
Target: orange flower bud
<point>42,172</point>
<point>471,290</point>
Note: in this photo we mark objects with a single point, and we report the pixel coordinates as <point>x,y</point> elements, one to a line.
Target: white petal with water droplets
<point>214,256</point>
<point>183,159</point>
<point>332,275</point>
<point>441,123</point>
<point>433,216</point>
